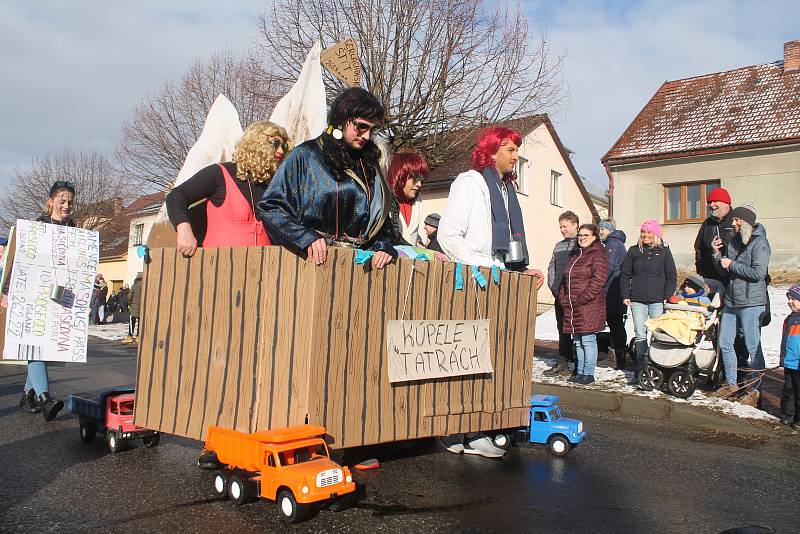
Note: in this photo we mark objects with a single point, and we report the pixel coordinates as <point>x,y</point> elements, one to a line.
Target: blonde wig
<point>255,155</point>
<point>657,243</point>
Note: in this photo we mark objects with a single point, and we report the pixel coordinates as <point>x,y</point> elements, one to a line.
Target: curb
<point>681,414</point>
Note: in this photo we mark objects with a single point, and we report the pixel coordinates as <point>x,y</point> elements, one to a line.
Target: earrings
<point>336,133</point>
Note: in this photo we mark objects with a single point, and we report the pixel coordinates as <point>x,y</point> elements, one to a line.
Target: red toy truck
<point>112,413</point>
<point>290,466</point>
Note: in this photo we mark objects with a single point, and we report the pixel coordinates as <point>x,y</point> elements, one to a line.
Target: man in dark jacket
<point>432,228</point>
<point>719,223</point>
<point>568,224</point>
<point>746,261</point>
<point>616,311</point>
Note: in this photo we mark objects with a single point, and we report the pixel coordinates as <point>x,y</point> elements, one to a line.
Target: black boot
<point>619,358</point>
<point>50,406</point>
<point>28,403</point>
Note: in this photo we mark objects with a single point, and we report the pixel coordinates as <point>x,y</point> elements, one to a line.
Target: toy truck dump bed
<point>255,338</point>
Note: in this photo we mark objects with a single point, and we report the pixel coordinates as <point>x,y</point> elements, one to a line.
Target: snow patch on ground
<point>112,331</point>
<point>609,379</point>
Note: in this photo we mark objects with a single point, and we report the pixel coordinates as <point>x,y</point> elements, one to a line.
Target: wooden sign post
<point>342,61</point>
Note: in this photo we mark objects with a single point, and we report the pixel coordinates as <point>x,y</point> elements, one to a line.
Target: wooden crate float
<point>255,338</point>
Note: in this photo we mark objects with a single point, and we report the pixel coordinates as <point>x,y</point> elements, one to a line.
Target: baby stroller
<point>673,365</point>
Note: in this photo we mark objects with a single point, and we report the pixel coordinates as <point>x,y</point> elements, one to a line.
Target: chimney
<point>791,56</point>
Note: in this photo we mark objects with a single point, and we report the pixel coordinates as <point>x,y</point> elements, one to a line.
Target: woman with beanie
<point>745,260</point>
<point>647,279</point>
<point>582,299</point>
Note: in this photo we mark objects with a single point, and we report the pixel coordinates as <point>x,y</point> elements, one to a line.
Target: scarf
<point>501,217</point>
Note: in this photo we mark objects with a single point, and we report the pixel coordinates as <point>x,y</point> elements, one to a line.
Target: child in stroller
<point>682,341</point>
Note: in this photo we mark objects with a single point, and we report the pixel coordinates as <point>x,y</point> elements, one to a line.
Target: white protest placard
<point>50,261</point>
<point>433,349</point>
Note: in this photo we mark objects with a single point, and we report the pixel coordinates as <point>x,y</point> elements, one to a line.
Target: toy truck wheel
<point>503,440</point>
<point>115,444</point>
<point>151,441</point>
<point>288,508</point>
<point>558,445</point>
<point>88,431</point>
<point>220,484</point>
<point>240,490</point>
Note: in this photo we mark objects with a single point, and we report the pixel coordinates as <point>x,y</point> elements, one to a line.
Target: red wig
<point>489,142</point>
<point>405,165</point>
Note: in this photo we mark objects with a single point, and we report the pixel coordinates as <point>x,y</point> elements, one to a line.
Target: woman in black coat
<point>647,279</point>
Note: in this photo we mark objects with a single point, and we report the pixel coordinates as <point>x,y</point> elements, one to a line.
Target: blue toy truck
<point>548,427</point>
<point>112,414</point>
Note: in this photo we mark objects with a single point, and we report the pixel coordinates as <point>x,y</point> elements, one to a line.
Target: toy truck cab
<point>290,466</point>
<point>547,426</point>
<point>112,414</point>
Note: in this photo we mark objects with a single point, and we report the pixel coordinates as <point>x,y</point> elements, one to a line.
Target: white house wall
<point>540,217</point>
<point>769,179</point>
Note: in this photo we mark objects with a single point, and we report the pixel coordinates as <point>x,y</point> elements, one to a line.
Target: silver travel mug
<point>514,253</point>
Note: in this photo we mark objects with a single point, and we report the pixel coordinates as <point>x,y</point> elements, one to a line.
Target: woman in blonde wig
<point>231,189</point>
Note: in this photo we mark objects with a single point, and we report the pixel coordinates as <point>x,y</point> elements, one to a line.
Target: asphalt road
<point>629,476</point>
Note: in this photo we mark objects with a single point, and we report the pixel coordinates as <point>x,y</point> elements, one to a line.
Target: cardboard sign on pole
<point>342,60</point>
<point>438,348</point>
<point>51,286</point>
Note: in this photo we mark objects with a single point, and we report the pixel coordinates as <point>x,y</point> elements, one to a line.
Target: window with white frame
<point>138,235</point>
<point>523,172</point>
<point>556,196</point>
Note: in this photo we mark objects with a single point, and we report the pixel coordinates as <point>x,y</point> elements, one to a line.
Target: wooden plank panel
<point>191,320</point>
<point>360,344</point>
<point>442,391</point>
<point>144,363</point>
<point>199,393</point>
<point>271,309</point>
<point>387,427</point>
<point>283,341</point>
<point>256,379</point>
<point>220,340</point>
<point>173,340</point>
<point>302,326</point>
<point>374,357</point>
<point>434,281</point>
<point>229,397</point>
<point>161,323</point>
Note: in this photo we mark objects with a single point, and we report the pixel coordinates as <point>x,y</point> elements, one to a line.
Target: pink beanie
<point>651,225</point>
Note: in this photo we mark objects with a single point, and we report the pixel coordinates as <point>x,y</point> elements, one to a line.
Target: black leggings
<point>133,326</point>
<point>790,397</point>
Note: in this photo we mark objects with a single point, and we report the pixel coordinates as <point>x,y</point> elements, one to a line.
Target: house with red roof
<point>738,129</point>
<point>547,185</point>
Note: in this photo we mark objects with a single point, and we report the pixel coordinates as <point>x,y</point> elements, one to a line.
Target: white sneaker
<point>483,446</point>
<point>452,445</point>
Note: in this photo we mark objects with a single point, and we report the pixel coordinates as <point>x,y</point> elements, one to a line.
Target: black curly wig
<point>352,103</point>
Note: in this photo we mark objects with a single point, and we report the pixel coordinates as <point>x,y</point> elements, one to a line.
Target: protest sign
<point>51,285</point>
<point>342,60</point>
<point>433,349</point>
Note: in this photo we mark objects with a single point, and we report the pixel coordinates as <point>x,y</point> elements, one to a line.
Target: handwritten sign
<point>433,349</point>
<point>342,60</point>
<point>50,261</point>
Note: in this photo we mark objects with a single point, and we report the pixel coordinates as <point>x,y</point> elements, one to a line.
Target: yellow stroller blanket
<point>680,324</point>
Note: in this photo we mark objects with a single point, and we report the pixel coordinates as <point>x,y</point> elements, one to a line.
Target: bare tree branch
<point>157,138</point>
<point>436,65</point>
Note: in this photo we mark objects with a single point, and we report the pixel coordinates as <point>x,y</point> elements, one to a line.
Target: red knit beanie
<point>719,195</point>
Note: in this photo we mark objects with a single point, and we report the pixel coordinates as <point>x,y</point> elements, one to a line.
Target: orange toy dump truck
<point>290,466</point>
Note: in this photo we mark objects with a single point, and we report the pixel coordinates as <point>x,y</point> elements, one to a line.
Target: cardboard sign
<point>51,286</point>
<point>434,349</point>
<point>342,60</point>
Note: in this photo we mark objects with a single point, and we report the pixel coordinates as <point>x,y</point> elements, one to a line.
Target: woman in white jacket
<point>482,225</point>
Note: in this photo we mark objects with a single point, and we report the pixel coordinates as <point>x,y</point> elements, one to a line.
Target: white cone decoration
<point>303,111</point>
<point>221,131</point>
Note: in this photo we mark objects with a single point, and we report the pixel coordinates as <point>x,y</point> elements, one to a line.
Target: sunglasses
<point>64,183</point>
<point>364,127</point>
<point>417,178</point>
<point>277,143</point>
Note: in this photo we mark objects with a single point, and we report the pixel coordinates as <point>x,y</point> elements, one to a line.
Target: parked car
<point>290,466</point>
<point>111,413</point>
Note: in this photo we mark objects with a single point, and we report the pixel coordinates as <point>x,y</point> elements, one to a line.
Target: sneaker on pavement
<point>725,390</point>
<point>454,444</point>
<point>586,379</point>
<point>483,446</point>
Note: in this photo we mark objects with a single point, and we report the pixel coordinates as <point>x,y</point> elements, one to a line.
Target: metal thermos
<point>56,293</point>
<point>514,254</point>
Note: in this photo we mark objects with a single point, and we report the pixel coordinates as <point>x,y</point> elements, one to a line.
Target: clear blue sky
<point>73,70</point>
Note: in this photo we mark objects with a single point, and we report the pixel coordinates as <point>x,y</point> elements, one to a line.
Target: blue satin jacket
<point>303,202</point>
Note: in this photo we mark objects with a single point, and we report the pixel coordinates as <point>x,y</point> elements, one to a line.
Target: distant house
<point>738,129</point>
<point>120,236</point>
<point>547,183</point>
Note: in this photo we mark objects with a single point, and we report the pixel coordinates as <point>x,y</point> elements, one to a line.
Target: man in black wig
<point>329,190</point>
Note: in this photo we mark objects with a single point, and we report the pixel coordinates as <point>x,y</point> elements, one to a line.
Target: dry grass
<point>781,277</point>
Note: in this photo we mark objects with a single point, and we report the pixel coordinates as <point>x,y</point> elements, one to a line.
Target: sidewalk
<point>612,393</point>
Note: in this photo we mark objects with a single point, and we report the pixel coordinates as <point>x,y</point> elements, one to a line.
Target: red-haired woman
<point>407,172</point>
